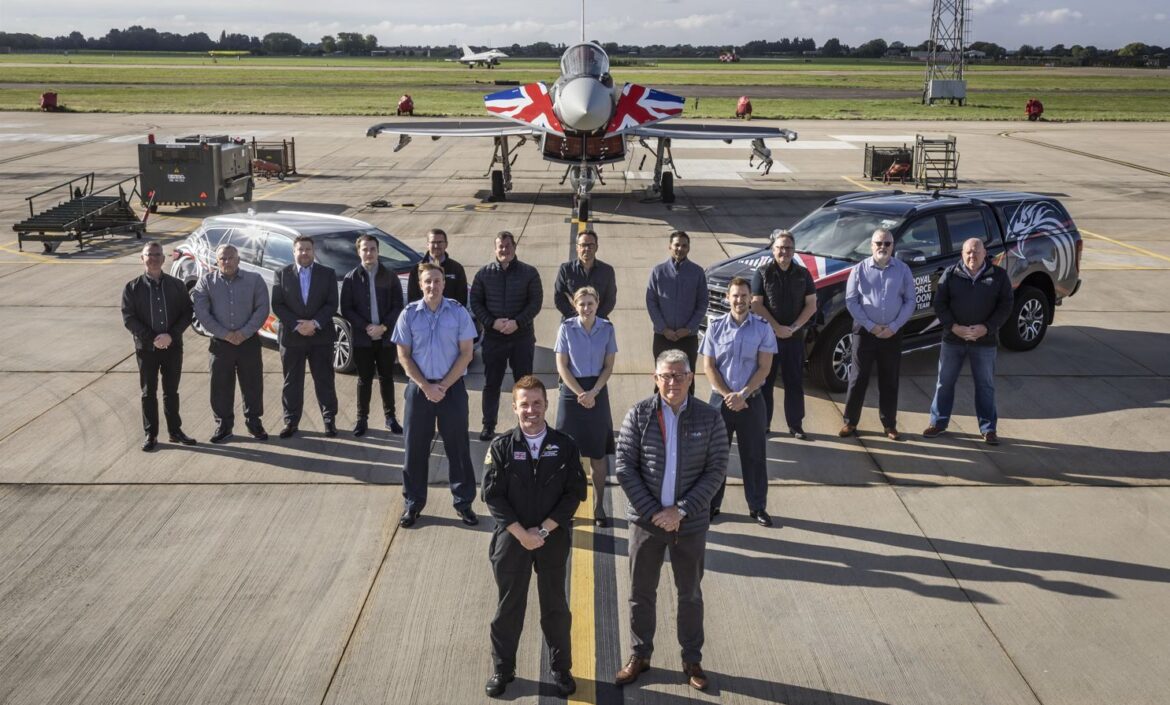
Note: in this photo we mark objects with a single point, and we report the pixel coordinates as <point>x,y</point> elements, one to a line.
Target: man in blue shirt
<point>434,337</point>
<point>676,299</point>
<point>737,356</point>
<point>880,298</point>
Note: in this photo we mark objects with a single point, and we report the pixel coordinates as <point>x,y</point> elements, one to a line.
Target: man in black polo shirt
<point>586,270</point>
<point>783,294</point>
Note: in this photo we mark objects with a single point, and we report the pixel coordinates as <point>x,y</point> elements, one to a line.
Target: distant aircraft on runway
<point>489,59</point>
<point>584,122</point>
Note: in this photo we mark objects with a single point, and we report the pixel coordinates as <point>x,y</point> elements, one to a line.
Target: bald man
<point>973,301</point>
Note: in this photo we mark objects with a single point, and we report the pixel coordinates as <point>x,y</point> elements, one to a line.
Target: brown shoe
<point>695,676</point>
<point>633,668</point>
<point>990,438</point>
<point>933,432</point>
<point>892,434</point>
<point>847,430</point>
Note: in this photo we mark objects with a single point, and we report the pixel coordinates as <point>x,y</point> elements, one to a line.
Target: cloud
<point>690,22</point>
<point>1058,16</point>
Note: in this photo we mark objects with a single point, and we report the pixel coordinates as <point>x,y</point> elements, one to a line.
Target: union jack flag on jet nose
<point>529,105</point>
<point>640,105</point>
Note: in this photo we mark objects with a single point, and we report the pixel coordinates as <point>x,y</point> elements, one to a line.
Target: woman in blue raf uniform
<point>585,350</point>
<point>532,484</point>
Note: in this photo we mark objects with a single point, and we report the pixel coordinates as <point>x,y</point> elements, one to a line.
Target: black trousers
<point>378,357</point>
<point>292,396</point>
<point>788,365</point>
<point>887,353</point>
<point>689,345</point>
<point>648,548</point>
<point>419,426</point>
<point>499,354</point>
<point>229,363</point>
<point>169,363</point>
<point>513,566</point>
<point>747,426</point>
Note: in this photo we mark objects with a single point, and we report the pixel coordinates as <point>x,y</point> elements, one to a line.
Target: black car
<point>265,244</point>
<point>1029,235</point>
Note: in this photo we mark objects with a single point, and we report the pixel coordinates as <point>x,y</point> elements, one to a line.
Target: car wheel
<point>343,346</point>
<point>833,354</point>
<point>1028,323</point>
<point>195,324</point>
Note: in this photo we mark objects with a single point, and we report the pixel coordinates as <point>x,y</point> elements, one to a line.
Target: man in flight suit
<point>532,484</point>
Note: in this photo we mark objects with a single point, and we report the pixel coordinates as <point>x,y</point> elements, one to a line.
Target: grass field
<point>820,89</point>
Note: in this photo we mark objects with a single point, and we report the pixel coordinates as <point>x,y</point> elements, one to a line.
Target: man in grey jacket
<point>671,460</point>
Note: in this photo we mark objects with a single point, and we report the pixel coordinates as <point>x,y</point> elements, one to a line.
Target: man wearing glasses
<point>671,460</point>
<point>584,271</point>
<point>880,298</point>
<point>455,286</point>
<point>783,294</point>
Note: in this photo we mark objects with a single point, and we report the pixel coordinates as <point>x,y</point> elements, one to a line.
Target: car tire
<point>195,324</point>
<point>830,358</point>
<point>1026,327</point>
<point>343,361</point>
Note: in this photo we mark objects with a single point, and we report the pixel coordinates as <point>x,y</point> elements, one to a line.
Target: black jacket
<point>355,302</point>
<point>455,286</point>
<point>572,276</point>
<point>289,307</point>
<point>136,311</point>
<point>702,461</point>
<point>513,493</point>
<point>514,293</point>
<point>784,292</point>
<point>986,300</point>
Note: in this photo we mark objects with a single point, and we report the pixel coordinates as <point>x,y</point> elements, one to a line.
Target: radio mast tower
<point>949,37</point>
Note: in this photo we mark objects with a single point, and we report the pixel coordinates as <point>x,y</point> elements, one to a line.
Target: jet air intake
<point>584,104</point>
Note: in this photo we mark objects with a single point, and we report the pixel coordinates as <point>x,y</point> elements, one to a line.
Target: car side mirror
<point>910,255</point>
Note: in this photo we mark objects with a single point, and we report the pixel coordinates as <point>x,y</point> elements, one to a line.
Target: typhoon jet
<point>488,59</point>
<point>584,122</point>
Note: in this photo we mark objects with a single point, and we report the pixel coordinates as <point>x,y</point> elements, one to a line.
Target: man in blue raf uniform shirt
<point>532,483</point>
<point>434,337</point>
<point>737,356</point>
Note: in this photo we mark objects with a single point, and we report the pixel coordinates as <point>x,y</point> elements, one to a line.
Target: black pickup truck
<point>1029,235</point>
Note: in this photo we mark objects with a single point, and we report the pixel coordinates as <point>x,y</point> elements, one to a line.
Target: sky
<point>1009,23</point>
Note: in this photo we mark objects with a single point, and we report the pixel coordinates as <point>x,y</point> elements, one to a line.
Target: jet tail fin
<point>639,106</point>
<point>467,51</point>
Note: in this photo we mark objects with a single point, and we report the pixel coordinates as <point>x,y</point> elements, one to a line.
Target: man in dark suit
<point>156,309</point>
<point>371,300</point>
<point>304,299</point>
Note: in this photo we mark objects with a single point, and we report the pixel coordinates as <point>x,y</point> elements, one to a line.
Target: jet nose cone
<point>584,104</point>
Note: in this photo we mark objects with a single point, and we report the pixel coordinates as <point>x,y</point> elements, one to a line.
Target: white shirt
<point>670,441</point>
<point>534,444</point>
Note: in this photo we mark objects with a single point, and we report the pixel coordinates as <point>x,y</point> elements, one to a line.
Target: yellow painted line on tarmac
<point>581,604</point>
<point>858,184</point>
<point>281,189</point>
<point>1126,245</point>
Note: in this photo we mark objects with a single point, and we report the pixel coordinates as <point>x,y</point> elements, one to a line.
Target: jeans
<point>950,363</point>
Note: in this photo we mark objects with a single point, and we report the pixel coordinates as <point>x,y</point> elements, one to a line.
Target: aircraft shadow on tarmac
<point>786,559</point>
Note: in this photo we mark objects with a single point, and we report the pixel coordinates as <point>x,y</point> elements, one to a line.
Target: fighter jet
<point>489,59</point>
<point>585,122</point>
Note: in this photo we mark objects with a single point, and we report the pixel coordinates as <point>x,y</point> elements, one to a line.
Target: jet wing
<point>727,133</point>
<point>450,128</point>
<point>529,104</point>
<point>640,106</point>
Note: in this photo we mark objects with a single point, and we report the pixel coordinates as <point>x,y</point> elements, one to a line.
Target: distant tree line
<point>137,38</point>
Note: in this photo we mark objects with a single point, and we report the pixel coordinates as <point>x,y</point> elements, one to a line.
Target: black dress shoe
<point>149,443</point>
<point>180,437</point>
<point>331,429</point>
<point>564,682</point>
<point>288,431</point>
<point>467,516</point>
<point>257,431</point>
<point>360,428</point>
<point>496,685</point>
<point>408,518</point>
<point>488,433</point>
<point>222,435</point>
<point>714,513</point>
<point>393,426</point>
<point>761,518</point>
<point>798,434</point>
<point>601,521</point>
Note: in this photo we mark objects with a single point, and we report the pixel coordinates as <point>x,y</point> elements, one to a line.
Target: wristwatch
<point>542,532</point>
<point>681,511</point>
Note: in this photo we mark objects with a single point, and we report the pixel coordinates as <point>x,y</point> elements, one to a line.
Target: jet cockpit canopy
<point>586,59</point>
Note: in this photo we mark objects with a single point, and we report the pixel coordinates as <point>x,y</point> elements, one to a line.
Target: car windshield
<point>337,250</point>
<point>840,233</point>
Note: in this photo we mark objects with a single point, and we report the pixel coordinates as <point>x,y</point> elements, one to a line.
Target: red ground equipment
<point>743,109</point>
<point>49,103</point>
<point>405,105</point>
<point>1033,109</point>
